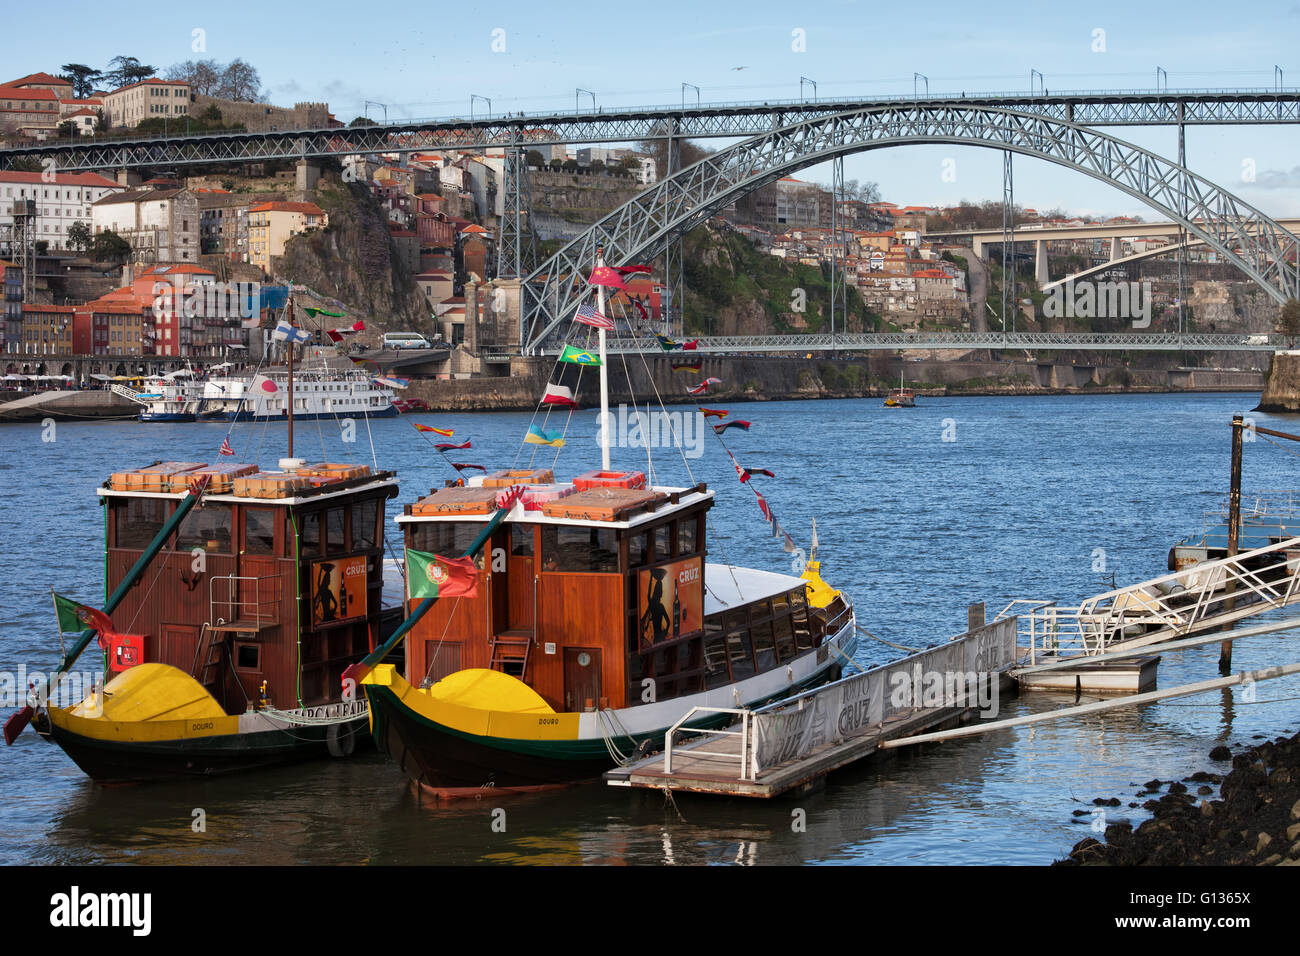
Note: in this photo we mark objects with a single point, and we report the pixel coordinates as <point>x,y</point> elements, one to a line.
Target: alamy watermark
<point>633,428</point>
<point>21,686</point>
<point>1085,299</point>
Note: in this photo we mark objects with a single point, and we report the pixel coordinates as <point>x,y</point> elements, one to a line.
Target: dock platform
<point>791,746</point>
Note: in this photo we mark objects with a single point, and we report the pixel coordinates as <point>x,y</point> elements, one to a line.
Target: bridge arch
<point>642,227</point>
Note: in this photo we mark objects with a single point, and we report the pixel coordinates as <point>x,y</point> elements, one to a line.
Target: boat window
<point>663,542</point>
<point>138,520</point>
<point>572,548</point>
<point>638,547</point>
<point>764,643</point>
<point>310,543</point>
<point>740,655</point>
<point>688,538</point>
<point>365,520</point>
<point>783,629</point>
<point>207,528</point>
<point>335,533</point>
<point>521,540</point>
<point>451,539</point>
<point>259,531</point>
<point>247,657</point>
<point>715,658</point>
<point>803,636</point>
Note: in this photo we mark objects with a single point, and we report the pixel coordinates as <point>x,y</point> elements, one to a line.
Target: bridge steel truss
<point>736,121</point>
<point>642,227</point>
<point>954,341</point>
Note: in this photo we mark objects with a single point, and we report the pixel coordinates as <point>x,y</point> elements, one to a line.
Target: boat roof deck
<point>727,586</point>
<point>651,511</point>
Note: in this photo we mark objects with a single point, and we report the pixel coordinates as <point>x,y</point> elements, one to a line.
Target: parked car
<point>405,340</point>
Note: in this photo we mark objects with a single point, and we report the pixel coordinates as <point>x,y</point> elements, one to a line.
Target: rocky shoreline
<point>1254,822</point>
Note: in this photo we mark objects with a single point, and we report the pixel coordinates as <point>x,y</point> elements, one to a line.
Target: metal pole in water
<point>1234,528</point>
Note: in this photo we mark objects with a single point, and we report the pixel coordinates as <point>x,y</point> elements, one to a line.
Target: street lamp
<point>922,77</point>
<point>1159,74</point>
<point>802,81</point>
<point>366,112</point>
<point>578,92</point>
<point>1041,82</point>
<point>697,94</point>
<point>472,98</point>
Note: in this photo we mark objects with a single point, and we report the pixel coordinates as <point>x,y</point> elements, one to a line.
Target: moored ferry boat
<point>235,599</point>
<point>583,620</point>
<point>322,392</point>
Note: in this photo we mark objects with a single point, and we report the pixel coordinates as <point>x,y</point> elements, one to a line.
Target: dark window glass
<point>247,657</point>
<point>738,652</point>
<point>803,636</point>
<point>764,642</point>
<point>521,539</point>
<point>663,542</point>
<point>310,542</point>
<point>207,528</point>
<point>637,549</point>
<point>715,660</point>
<point>569,548</point>
<point>138,520</point>
<point>259,531</point>
<point>784,631</point>
<point>335,536</point>
<point>365,524</point>
<point>688,536</point>
<point>451,539</point>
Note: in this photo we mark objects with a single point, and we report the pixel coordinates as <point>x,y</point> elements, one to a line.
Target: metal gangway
<point>1203,597</point>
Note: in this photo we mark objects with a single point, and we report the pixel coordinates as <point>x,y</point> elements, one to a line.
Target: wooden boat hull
<point>120,762</point>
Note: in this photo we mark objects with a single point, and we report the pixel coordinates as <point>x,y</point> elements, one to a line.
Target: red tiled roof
<point>60,179</point>
<point>307,208</point>
<point>152,82</point>
<point>27,307</point>
<point>14,92</point>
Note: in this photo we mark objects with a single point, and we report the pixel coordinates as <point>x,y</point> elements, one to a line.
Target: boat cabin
<point>597,593</point>
<point>269,588</point>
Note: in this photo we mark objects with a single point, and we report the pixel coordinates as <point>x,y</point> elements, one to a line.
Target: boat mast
<point>289,307</point>
<point>606,426</point>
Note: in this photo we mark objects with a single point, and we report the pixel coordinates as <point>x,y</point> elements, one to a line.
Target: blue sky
<point>427,60</point>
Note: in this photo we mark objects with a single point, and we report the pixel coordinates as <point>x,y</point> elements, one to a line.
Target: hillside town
<point>91,264</point>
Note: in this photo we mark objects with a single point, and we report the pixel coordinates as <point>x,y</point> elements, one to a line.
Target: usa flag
<point>225,447</point>
<point>587,315</point>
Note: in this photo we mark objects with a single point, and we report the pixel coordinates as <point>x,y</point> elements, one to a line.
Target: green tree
<point>83,78</point>
<point>124,70</point>
<point>42,246</point>
<point>535,158</point>
<point>363,121</point>
<point>67,129</point>
<point>79,237</point>
<point>1288,321</point>
<point>110,247</point>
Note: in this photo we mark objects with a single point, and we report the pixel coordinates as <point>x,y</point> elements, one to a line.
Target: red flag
<point>734,423</point>
<point>444,432</point>
<point>763,507</point>
<point>747,473</point>
<point>691,346</point>
<point>448,446</point>
<point>559,395</point>
<point>462,466</point>
<point>636,301</point>
<point>713,412</point>
<point>604,275</point>
<point>225,446</point>
<point>632,270</point>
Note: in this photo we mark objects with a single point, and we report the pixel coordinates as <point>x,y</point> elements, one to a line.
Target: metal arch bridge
<point>729,120</point>
<point>952,341</point>
<point>657,217</point>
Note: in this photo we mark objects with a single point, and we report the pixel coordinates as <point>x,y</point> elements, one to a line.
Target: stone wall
<point>1282,387</point>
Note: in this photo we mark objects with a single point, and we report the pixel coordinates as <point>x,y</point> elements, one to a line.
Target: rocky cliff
<point>1282,387</point>
<point>353,260</point>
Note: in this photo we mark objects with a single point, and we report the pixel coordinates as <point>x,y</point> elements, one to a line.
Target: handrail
<point>747,771</point>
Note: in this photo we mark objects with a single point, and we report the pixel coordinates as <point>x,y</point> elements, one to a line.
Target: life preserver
<point>340,740</point>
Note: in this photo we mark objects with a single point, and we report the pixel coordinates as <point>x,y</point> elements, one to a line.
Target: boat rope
<point>910,650</point>
<point>445,628</point>
<point>299,719</point>
<point>615,754</point>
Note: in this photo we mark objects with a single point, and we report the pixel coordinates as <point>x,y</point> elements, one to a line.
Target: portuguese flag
<point>433,576</point>
<point>75,617</point>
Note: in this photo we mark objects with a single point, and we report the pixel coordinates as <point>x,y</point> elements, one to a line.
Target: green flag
<point>333,315</point>
<point>79,617</point>
<point>578,356</point>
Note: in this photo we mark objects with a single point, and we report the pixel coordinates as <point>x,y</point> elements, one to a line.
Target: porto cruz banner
<point>670,600</point>
<point>338,591</point>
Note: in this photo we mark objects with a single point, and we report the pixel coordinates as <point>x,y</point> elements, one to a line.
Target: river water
<point>919,511</point>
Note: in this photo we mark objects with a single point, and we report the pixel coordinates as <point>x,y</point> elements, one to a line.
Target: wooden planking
<point>579,610</point>
<point>461,620</point>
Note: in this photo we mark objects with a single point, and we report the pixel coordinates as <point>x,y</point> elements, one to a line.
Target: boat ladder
<point>212,645</point>
<point>511,649</point>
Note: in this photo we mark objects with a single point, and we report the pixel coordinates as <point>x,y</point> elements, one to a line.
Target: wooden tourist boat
<point>591,621</point>
<point>236,598</point>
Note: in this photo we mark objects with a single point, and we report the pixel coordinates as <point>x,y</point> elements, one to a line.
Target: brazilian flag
<point>579,356</point>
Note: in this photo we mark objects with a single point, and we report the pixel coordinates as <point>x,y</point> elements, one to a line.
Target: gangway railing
<point>243,603</point>
<point>1202,597</point>
<point>747,770</point>
<point>117,388</point>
